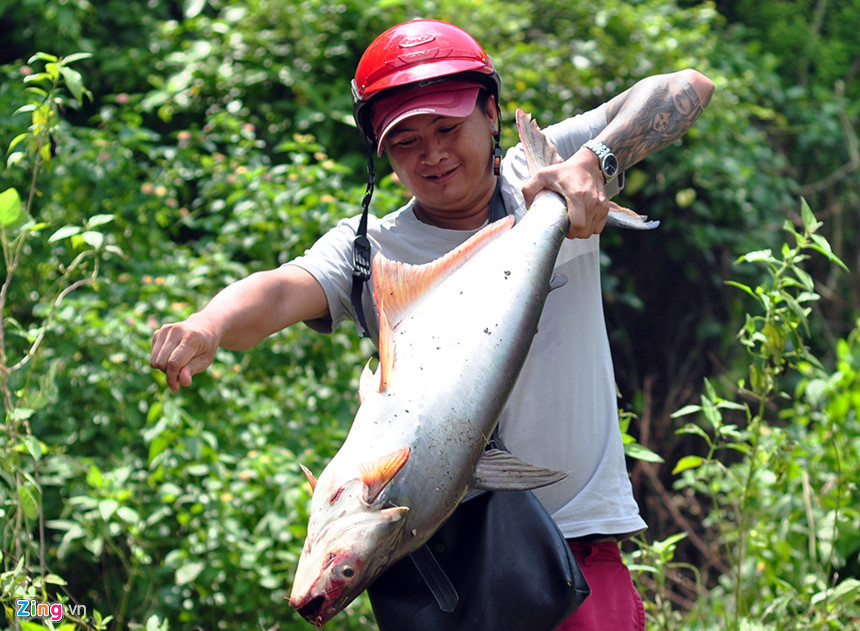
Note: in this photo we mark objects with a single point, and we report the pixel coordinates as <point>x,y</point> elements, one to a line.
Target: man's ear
<point>491,111</point>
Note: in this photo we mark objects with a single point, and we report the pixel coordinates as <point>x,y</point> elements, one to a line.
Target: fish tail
<point>540,153</point>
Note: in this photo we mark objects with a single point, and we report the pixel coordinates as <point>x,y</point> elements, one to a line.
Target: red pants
<point>614,604</point>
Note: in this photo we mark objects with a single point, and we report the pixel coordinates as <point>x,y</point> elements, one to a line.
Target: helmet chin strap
<point>361,252</point>
<point>497,155</point>
<point>497,141</point>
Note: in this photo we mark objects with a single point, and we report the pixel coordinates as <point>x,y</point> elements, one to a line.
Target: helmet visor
<point>445,98</point>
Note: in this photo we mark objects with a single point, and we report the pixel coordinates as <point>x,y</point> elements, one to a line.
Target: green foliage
<point>28,388</point>
<point>779,470</point>
<point>175,511</point>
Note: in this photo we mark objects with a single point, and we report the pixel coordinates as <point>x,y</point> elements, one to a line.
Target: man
<point>426,95</point>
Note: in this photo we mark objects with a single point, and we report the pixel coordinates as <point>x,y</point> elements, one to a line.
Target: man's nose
<point>434,151</point>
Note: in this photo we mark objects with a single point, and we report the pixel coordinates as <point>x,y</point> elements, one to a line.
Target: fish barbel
<point>454,334</point>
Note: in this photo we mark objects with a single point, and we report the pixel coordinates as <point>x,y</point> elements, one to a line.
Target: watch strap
<point>601,151</point>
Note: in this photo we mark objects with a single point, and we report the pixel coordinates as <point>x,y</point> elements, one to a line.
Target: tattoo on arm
<point>649,117</point>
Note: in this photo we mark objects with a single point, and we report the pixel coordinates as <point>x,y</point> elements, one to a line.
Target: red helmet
<point>415,52</point>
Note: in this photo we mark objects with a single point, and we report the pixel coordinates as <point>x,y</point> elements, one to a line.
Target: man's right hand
<point>238,317</point>
<point>183,349</point>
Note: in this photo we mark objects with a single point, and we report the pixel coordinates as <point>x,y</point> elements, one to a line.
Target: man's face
<point>445,162</point>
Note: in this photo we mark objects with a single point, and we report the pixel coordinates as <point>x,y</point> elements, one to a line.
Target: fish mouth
<point>312,611</point>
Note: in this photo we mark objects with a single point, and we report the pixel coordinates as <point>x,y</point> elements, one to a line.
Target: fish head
<point>343,560</point>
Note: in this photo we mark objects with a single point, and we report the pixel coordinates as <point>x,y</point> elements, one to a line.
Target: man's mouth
<point>441,176</point>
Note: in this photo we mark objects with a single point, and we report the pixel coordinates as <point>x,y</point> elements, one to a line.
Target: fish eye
<point>348,571</point>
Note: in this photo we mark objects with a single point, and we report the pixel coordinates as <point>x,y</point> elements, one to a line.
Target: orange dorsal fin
<point>378,473</point>
<point>400,286</point>
<point>310,476</point>
<point>368,382</point>
<point>387,352</point>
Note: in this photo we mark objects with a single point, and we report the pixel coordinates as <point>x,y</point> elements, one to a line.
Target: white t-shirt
<point>562,413</point>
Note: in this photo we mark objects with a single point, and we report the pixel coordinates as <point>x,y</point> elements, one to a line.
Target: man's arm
<point>653,114</point>
<point>640,121</point>
<point>237,318</point>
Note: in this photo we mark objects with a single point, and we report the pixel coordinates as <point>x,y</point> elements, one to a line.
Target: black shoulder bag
<point>499,563</point>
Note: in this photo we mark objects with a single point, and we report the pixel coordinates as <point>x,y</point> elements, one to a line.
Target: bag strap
<point>498,210</point>
<point>435,578</point>
<point>428,567</point>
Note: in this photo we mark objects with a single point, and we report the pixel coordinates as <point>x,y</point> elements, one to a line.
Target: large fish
<point>454,334</point>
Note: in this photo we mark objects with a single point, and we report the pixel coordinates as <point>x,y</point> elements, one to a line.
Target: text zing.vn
<point>54,611</point>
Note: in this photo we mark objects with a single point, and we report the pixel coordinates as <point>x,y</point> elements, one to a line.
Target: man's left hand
<point>580,182</point>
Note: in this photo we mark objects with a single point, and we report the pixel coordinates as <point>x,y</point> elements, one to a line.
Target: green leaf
<point>40,56</point>
<point>14,158</point>
<point>64,233</point>
<point>74,82</point>
<point>712,415</point>
<point>742,287</point>
<point>822,245</point>
<point>53,70</point>
<point>808,216</point>
<point>850,587</point>
<point>18,139</point>
<point>22,414</point>
<point>69,59</point>
<point>758,255</point>
<point>189,571</point>
<point>128,515</point>
<point>28,497</point>
<point>25,109</point>
<point>687,410</point>
<point>198,469</point>
<point>53,579</point>
<point>688,462</point>
<point>640,452</point>
<point>99,220</point>
<point>93,239</point>
<point>732,405</point>
<point>154,623</point>
<point>159,444</point>
<point>95,478</point>
<point>694,429</point>
<point>40,93</point>
<point>33,446</point>
<point>107,508</point>
<point>39,76</point>
<point>193,8</point>
<point>11,211</point>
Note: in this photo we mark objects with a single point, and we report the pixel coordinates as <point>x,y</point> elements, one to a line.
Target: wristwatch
<point>608,161</point>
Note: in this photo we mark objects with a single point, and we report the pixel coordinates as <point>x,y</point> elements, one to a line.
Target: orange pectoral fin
<point>310,476</point>
<point>377,474</point>
<point>369,382</point>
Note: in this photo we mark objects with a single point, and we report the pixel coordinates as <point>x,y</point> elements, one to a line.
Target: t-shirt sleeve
<point>329,261</point>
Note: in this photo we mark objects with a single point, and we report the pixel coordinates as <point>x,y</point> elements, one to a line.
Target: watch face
<point>610,166</point>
